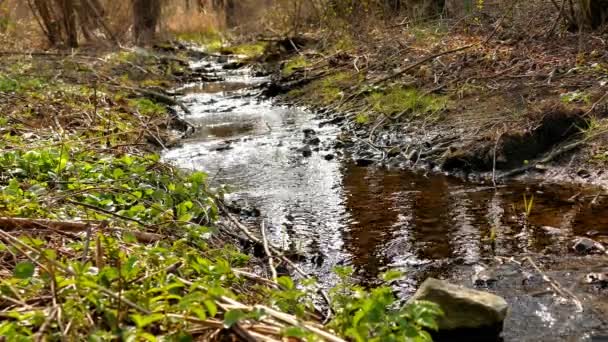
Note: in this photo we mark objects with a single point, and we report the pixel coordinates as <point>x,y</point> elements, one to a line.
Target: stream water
<point>336,213</point>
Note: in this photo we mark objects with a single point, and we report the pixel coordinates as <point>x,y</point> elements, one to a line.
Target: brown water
<point>337,213</point>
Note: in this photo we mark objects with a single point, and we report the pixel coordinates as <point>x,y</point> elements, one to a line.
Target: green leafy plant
<point>19,84</point>
<point>376,314</point>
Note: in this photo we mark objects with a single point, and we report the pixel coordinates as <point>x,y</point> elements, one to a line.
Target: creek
<point>320,204</point>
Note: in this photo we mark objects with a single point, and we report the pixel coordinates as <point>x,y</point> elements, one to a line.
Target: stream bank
<point>101,240</point>
<point>291,170</point>
<point>485,112</point>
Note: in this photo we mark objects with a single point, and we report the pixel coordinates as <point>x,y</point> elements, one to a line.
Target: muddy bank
<point>330,197</point>
<point>552,147</point>
<point>481,129</point>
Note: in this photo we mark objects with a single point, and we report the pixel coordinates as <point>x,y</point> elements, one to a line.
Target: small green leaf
<point>129,237</point>
<point>24,270</point>
<point>117,173</point>
<point>232,317</point>
<point>295,332</point>
<point>391,275</point>
<point>143,321</point>
<point>147,336</point>
<point>286,282</point>
<point>185,218</point>
<point>200,313</point>
<point>211,307</point>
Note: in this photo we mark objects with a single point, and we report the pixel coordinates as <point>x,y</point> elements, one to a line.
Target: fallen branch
<point>268,253</point>
<point>595,104</point>
<point>8,224</point>
<point>549,157</point>
<point>13,223</point>
<point>111,213</point>
<point>424,60</point>
<point>294,321</point>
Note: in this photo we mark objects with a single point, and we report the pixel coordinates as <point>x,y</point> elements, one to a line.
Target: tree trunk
<point>595,12</point>
<point>48,21</point>
<point>231,14</point>
<point>69,22</point>
<point>424,9</point>
<point>62,20</point>
<point>146,14</point>
<point>392,7</point>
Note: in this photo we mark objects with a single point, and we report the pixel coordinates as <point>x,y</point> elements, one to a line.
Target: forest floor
<point>485,102</point>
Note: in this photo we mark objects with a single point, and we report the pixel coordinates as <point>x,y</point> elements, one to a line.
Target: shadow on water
<point>372,218</point>
<point>405,218</point>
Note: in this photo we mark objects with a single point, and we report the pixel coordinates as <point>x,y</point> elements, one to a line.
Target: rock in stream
<point>463,308</point>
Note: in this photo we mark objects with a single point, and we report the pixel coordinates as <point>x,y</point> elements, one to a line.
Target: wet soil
<point>287,167</point>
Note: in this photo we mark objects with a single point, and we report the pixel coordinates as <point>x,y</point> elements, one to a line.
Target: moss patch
<point>294,64</point>
<point>249,50</point>
<point>147,107</point>
<point>362,118</point>
<point>210,39</point>
<point>19,84</point>
<point>331,88</point>
<point>397,100</point>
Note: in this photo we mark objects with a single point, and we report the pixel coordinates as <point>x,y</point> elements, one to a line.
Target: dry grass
<point>21,31</point>
<point>196,21</point>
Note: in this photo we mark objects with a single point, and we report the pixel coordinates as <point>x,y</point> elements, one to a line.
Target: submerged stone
<point>463,308</point>
<point>308,132</point>
<point>484,277</point>
<point>306,151</point>
<point>364,161</point>
<point>312,141</point>
<point>597,278</point>
<point>585,245</point>
<point>233,65</point>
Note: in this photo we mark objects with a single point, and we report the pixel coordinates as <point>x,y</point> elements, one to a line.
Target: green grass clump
<point>331,88</point>
<point>344,43</point>
<point>327,89</point>
<point>210,39</point>
<point>294,64</point>
<point>248,50</point>
<point>362,118</point>
<point>122,57</point>
<point>19,84</point>
<point>576,97</point>
<point>147,107</point>
<point>295,93</point>
<point>397,100</point>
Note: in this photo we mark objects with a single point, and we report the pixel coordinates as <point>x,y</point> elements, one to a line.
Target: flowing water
<point>336,213</point>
